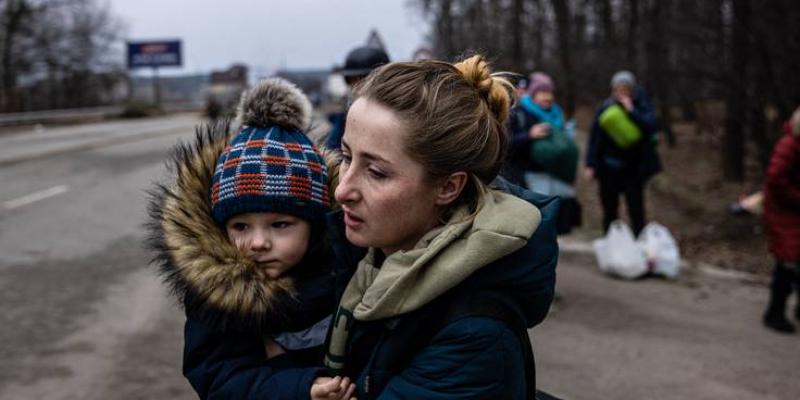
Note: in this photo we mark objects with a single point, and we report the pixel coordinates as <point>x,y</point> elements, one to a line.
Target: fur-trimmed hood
<point>213,279</point>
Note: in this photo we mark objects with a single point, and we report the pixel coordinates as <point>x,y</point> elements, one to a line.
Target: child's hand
<point>337,388</point>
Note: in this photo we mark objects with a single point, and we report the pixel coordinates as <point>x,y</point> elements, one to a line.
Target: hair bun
<point>275,101</point>
<point>496,91</point>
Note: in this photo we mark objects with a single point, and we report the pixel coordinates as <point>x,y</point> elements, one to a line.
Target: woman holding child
<point>454,271</point>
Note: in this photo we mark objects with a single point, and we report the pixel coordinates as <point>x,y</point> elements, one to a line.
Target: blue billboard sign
<point>165,53</point>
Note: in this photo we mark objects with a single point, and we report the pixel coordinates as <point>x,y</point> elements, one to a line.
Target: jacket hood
<point>527,275</point>
<point>445,257</point>
<point>214,281</point>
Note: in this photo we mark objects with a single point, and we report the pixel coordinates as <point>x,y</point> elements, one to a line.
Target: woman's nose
<point>346,189</point>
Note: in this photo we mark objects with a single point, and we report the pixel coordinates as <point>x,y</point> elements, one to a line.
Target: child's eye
<point>281,224</point>
<point>239,226</point>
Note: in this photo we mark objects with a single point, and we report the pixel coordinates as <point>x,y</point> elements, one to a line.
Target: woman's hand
<point>539,131</point>
<point>272,348</point>
<point>625,100</point>
<point>337,388</point>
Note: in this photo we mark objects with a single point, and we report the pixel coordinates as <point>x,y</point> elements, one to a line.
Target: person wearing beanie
<point>623,79</point>
<point>621,153</point>
<point>238,237</point>
<point>782,222</point>
<point>543,156</point>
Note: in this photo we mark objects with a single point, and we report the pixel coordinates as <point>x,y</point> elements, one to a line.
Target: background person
<point>357,65</point>
<point>782,220</point>
<point>621,152</point>
<point>543,156</point>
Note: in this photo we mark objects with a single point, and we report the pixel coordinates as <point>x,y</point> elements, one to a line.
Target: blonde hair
<point>455,115</point>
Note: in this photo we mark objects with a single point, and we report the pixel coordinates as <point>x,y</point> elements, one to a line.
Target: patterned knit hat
<point>271,165</point>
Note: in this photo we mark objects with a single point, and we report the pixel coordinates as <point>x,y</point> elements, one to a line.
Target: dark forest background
<point>730,66</point>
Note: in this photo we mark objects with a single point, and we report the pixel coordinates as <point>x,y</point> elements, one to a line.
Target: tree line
<point>57,54</point>
<point>744,54</point>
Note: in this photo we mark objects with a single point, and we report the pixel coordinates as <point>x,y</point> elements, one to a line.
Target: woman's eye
<point>377,174</point>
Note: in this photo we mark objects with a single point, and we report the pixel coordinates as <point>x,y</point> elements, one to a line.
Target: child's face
<point>276,242</point>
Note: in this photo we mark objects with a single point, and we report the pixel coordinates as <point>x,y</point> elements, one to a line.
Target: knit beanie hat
<point>539,81</point>
<point>271,165</point>
<point>623,78</point>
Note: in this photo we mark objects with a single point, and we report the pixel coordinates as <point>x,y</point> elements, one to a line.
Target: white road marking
<point>34,197</point>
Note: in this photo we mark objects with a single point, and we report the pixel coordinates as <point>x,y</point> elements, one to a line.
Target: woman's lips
<point>352,221</point>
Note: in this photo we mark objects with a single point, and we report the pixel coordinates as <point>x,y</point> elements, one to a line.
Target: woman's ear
<point>451,188</point>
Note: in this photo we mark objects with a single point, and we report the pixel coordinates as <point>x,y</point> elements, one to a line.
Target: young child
<point>239,239</point>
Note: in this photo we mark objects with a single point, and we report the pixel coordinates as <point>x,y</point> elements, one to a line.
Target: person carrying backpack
<point>621,153</point>
<point>543,156</point>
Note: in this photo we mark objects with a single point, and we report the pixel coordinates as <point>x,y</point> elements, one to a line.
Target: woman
<point>454,272</point>
<point>543,155</point>
<point>423,143</point>
<point>782,219</point>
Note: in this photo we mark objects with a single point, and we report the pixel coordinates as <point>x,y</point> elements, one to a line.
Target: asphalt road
<point>84,317</point>
<point>699,337</point>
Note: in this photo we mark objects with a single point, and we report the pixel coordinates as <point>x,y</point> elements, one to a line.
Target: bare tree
<point>686,52</point>
<point>63,49</point>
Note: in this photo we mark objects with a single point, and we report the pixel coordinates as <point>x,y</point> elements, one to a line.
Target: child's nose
<point>260,241</point>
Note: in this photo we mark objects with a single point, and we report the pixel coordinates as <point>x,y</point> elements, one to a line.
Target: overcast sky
<point>270,34</point>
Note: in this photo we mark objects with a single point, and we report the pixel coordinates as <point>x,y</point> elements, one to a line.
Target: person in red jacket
<point>782,220</point>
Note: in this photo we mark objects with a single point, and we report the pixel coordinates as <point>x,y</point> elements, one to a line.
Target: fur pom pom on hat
<point>274,101</point>
<point>271,165</point>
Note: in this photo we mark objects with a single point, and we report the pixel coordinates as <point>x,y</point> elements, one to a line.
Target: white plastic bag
<point>618,254</point>
<point>661,250</point>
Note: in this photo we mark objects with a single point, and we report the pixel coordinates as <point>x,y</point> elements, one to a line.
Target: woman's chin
<point>356,238</point>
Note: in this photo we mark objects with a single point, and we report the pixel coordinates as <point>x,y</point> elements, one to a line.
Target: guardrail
<point>76,114</point>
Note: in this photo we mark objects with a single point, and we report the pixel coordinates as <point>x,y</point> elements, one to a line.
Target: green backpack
<point>619,126</point>
<point>557,154</point>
